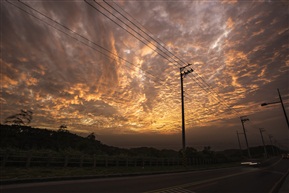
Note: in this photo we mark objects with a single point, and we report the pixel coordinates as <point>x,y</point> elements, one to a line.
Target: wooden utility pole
<point>183,73</point>
<point>244,119</point>
<point>265,151</point>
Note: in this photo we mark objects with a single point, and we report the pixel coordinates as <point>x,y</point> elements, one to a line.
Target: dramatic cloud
<point>81,63</point>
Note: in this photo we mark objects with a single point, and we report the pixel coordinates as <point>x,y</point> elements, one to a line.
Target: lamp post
<point>281,101</point>
<point>243,120</point>
<point>183,73</point>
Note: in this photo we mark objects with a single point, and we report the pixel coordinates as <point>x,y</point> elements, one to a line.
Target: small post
<point>94,160</point>
<point>106,162</point>
<point>81,161</point>
<point>5,159</point>
<point>28,160</point>
<point>66,161</point>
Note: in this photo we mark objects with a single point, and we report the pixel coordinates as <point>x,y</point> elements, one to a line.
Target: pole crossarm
<point>183,72</point>
<point>185,66</point>
<point>244,118</point>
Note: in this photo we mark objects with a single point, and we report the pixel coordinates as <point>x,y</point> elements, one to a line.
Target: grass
<point>14,173</point>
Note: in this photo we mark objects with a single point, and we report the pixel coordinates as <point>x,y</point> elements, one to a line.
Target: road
<point>228,180</point>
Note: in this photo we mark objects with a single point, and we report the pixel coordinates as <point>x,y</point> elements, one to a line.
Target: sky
<point>113,68</point>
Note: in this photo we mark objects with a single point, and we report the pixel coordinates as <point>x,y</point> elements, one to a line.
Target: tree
<point>191,152</point>
<point>208,152</point>
<point>91,136</point>
<point>207,149</point>
<point>62,128</point>
<point>22,118</point>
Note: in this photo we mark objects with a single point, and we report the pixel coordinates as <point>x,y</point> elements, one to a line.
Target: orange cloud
<point>230,23</point>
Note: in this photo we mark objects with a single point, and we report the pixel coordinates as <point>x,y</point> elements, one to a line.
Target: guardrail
<point>28,159</point>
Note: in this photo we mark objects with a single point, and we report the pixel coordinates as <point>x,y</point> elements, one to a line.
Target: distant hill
<point>27,138</point>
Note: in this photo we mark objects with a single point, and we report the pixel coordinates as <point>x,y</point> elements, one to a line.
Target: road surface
<point>228,180</point>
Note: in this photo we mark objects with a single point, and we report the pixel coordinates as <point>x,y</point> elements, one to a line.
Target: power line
<point>153,39</point>
<point>201,83</point>
<point>215,96</point>
<point>143,31</point>
<point>75,33</point>
<point>197,78</point>
<point>86,44</point>
<point>126,29</point>
<point>138,34</point>
<point>142,36</point>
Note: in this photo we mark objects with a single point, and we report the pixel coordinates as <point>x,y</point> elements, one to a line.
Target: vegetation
<point>22,118</point>
<point>26,138</point>
<point>23,142</point>
<point>61,173</point>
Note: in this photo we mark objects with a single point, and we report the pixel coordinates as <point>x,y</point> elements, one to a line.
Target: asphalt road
<point>227,180</point>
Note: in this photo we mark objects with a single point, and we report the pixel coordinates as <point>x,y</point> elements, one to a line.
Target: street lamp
<point>281,101</point>
<point>183,73</point>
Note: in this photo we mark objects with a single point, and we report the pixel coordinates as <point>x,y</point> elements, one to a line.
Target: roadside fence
<point>32,159</point>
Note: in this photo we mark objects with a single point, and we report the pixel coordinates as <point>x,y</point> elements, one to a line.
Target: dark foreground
<point>227,180</point>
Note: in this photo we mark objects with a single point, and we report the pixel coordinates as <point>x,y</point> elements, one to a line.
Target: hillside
<point>28,138</point>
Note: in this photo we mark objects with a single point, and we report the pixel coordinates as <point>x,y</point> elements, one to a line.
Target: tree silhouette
<point>208,152</point>
<point>22,118</point>
<point>62,128</point>
<point>91,136</point>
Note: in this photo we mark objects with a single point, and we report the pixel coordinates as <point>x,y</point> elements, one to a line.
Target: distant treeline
<point>28,138</point>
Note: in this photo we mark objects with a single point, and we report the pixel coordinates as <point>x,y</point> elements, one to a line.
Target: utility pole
<point>284,111</point>
<point>273,149</point>
<point>265,151</point>
<point>239,143</point>
<point>282,104</point>
<point>183,73</point>
<point>243,120</point>
<point>277,147</point>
